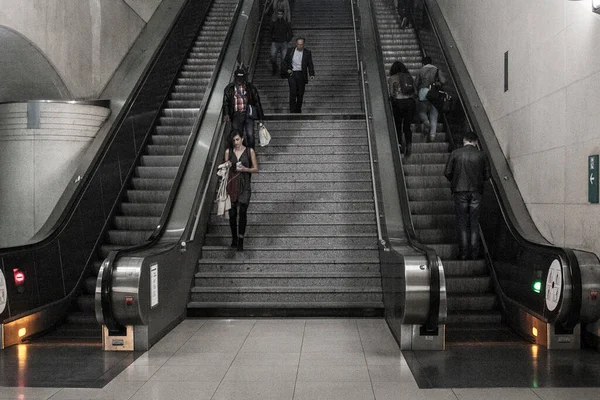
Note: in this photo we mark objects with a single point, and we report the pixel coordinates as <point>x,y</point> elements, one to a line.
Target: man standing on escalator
<point>467,170</point>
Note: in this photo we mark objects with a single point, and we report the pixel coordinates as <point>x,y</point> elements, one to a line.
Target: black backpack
<point>406,84</point>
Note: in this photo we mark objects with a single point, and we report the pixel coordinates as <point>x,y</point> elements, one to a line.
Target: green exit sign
<point>593,179</point>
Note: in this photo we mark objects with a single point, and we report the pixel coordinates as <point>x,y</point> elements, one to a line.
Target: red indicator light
<point>19,277</point>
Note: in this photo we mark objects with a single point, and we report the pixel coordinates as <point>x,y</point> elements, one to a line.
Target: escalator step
<point>90,284</point>
<point>151,184</point>
<point>148,196</point>
<point>158,150</point>
<point>128,238</point>
<point>145,210</point>
<point>183,130</point>
<point>85,303</point>
<point>136,223</point>
<point>156,172</point>
<point>161,161</point>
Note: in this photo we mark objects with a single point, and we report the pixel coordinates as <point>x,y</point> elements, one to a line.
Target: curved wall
<point>83,42</point>
<point>37,163</point>
<point>547,122</point>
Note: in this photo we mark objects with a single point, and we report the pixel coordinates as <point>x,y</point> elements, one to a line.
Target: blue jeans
<point>278,48</point>
<point>425,108</point>
<point>245,126</point>
<point>466,206</point>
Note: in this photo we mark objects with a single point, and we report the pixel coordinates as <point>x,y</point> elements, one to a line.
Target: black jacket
<point>307,64</point>
<point>281,31</point>
<point>253,99</point>
<point>467,169</point>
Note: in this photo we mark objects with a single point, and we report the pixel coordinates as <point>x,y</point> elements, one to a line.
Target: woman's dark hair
<point>233,133</point>
<point>426,60</point>
<point>398,67</point>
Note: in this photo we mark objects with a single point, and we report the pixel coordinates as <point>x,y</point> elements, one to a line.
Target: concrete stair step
<point>312,185</point>
<point>313,265</point>
<point>311,207</point>
<point>277,166</point>
<point>287,294</point>
<point>287,279</point>
<point>284,305</point>
<point>313,196</point>
<point>322,252</point>
<point>297,242</point>
<point>283,155</point>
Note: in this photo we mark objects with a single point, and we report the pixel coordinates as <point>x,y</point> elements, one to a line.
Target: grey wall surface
<point>547,122</point>
<point>82,41</point>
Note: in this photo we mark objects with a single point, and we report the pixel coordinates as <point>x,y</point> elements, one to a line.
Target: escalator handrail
<point>566,255</point>
<point>110,262</point>
<point>85,180</point>
<point>413,240</point>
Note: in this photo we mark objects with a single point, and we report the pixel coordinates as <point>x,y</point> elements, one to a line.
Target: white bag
<point>264,135</point>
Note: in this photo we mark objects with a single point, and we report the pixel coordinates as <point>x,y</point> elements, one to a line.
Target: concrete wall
<point>548,121</point>
<point>37,164</point>
<point>84,41</point>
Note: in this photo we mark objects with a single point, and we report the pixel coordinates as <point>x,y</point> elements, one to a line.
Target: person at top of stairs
<point>275,6</point>
<point>281,34</point>
<point>427,75</point>
<point>242,161</point>
<point>467,169</point>
<point>402,90</point>
<point>241,105</point>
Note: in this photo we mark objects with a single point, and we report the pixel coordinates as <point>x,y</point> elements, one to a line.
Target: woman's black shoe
<point>234,242</point>
<point>240,244</point>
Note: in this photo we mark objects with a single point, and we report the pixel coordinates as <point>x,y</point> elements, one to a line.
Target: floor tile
<point>154,358</point>
<point>27,393</point>
<point>333,391</point>
<point>390,373</point>
<point>214,346</point>
<point>211,359</point>
<point>271,390</point>
<point>274,345</point>
<point>409,391</point>
<point>385,358</point>
<point>331,345</point>
<point>191,373</point>
<point>333,373</point>
<point>496,394</point>
<point>115,390</point>
<point>249,359</point>
<point>276,373</point>
<point>331,358</point>
<point>568,393</point>
<point>138,372</point>
<point>158,390</point>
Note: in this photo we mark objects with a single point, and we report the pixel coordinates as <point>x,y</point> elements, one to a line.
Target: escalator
<point>473,308</point>
<point>522,282</point>
<point>141,178</point>
<point>139,213</point>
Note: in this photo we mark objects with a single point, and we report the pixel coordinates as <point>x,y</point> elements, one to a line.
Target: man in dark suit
<point>467,170</point>
<point>297,67</point>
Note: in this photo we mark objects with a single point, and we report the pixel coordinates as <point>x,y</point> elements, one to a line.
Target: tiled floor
<point>278,359</point>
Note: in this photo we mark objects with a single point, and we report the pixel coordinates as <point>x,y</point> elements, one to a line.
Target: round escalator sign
<point>553,285</point>
<point>3,293</point>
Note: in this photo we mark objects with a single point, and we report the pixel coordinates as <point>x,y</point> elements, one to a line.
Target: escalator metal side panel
<point>174,255</point>
<point>394,262</point>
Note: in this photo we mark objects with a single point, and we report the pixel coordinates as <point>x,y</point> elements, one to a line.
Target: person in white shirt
<point>298,68</point>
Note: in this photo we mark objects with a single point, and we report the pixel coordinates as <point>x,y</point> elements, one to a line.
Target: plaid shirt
<point>239,102</point>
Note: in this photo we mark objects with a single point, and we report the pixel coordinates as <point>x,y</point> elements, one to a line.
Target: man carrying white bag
<point>264,136</point>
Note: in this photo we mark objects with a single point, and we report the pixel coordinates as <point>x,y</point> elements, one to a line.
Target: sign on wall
<point>593,179</point>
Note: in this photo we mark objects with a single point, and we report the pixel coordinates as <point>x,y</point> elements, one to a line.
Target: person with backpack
<point>427,76</point>
<point>402,90</point>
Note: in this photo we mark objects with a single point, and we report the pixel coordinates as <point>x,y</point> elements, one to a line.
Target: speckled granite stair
<point>311,242</point>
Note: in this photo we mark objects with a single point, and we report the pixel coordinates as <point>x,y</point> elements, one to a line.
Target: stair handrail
<point>109,263</point>
<point>370,139</point>
<point>525,237</point>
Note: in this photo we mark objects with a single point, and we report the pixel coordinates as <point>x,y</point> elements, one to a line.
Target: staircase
<point>311,242</point>
<point>149,189</point>
<point>327,28</point>
<point>472,303</point>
